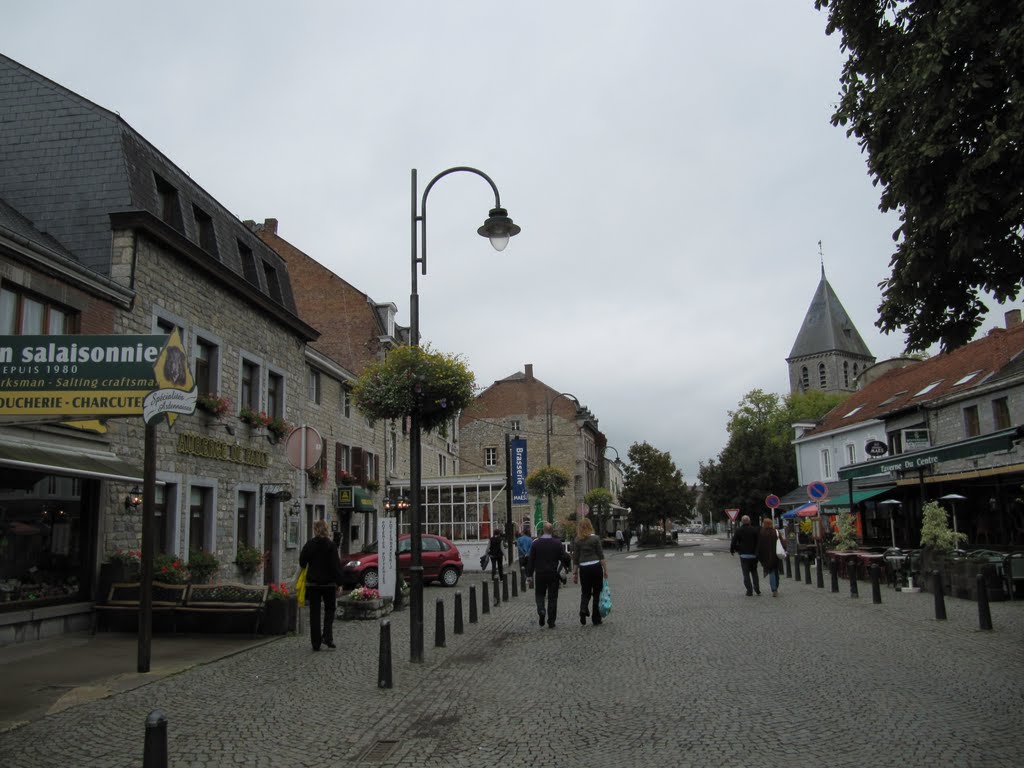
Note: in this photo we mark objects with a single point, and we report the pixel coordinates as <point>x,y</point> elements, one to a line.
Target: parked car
<point>441,562</point>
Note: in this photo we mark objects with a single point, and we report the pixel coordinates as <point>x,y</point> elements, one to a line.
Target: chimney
<point>270,225</point>
<point>529,371</point>
<point>1012,318</point>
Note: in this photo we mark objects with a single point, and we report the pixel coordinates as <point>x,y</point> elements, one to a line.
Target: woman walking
<point>767,538</point>
<point>323,576</point>
<point>589,569</point>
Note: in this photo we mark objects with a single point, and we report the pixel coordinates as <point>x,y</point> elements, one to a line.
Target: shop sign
<point>519,492</point>
<point>206,447</point>
<point>77,375</point>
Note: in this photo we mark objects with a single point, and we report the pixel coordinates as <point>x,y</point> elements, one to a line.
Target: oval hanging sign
<point>875,448</point>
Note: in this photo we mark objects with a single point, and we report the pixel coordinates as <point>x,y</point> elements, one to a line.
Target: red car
<point>441,562</point>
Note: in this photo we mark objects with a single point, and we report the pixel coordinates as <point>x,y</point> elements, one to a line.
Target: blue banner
<point>519,471</point>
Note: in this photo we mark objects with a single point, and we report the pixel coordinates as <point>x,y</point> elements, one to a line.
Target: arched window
<point>854,371</point>
<point>822,381</point>
<point>805,378</point>
<point>846,373</point>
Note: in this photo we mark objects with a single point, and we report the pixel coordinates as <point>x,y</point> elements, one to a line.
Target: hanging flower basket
<point>317,475</point>
<point>278,429</point>
<point>416,380</point>
<point>214,405</point>
<point>256,420</point>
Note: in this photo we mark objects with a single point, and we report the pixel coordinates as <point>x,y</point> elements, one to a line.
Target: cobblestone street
<point>687,671</point>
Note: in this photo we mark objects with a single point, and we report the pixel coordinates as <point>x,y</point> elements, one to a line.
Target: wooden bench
<point>123,600</point>
<point>223,600</point>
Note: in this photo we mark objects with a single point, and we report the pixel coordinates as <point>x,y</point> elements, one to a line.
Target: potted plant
<point>372,485</point>
<point>277,612</point>
<point>317,475</point>
<point>256,420</point>
<point>416,380</point>
<point>248,559</point>
<point>122,565</point>
<point>170,569</point>
<point>364,603</point>
<point>215,405</point>
<point>278,428</point>
<point>202,565</point>
<point>937,542</point>
<point>548,481</point>
<point>346,478</point>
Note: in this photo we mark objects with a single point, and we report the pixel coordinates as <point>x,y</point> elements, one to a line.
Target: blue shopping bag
<point>604,602</point>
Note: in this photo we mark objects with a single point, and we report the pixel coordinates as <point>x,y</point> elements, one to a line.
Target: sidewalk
<point>49,676</point>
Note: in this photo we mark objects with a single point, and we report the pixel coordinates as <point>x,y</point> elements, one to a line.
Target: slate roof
<point>14,223</point>
<point>827,327</point>
<point>67,164</point>
<point>984,361</point>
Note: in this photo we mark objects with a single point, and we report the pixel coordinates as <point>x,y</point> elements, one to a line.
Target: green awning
<point>353,497</point>
<point>858,497</point>
<point>363,501</point>
<point>52,461</point>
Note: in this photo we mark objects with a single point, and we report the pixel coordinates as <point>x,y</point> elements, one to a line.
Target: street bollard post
<point>984,613</point>
<point>504,587</point>
<point>876,588</point>
<point>807,570</point>
<point>384,656</point>
<point>458,613</point>
<point>940,599</point>
<point>821,577</point>
<point>439,639</point>
<point>789,570</point>
<point>833,569</point>
<point>495,593</point>
<point>472,604</point>
<point>485,600</point>
<point>853,579</point>
<point>154,753</point>
<point>522,581</point>
<point>515,586</point>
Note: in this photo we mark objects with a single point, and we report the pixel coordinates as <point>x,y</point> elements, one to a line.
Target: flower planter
<point>115,573</point>
<point>278,617</point>
<point>349,610</point>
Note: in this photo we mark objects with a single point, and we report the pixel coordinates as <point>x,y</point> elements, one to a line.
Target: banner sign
<point>519,471</point>
<point>73,376</point>
<point>387,556</point>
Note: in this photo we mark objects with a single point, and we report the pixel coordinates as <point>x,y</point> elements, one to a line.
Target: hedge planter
<point>279,617</point>
<point>364,609</point>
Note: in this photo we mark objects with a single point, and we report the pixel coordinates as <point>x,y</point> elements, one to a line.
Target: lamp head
<point>133,499</point>
<point>499,228</point>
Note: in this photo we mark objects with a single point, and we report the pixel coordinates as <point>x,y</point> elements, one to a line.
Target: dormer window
<point>853,412</point>
<point>929,388</point>
<point>205,234</point>
<point>245,255</point>
<point>168,207</point>
<point>273,284</point>
<point>966,378</point>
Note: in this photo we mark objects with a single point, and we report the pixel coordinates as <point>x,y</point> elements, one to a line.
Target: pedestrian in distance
<point>523,544</point>
<point>323,579</point>
<point>744,541</point>
<point>620,540</point>
<point>497,555</point>
<point>547,555</point>
<point>589,569</point>
<point>628,536</point>
<point>767,555</point>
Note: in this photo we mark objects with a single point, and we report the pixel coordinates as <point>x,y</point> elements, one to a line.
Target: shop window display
<point>42,534</point>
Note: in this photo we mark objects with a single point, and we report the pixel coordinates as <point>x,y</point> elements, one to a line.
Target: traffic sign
<point>772,501</point>
<point>733,514</point>
<point>817,491</point>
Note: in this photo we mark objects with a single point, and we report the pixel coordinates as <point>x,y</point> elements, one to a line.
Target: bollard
<point>384,657</point>
<point>439,624</point>
<point>458,613</point>
<point>940,600</point>
<point>833,569</point>
<point>515,587</point>
<point>789,570</point>
<point>853,579</point>
<point>796,567</point>
<point>472,604</point>
<point>504,587</point>
<point>522,581</point>
<point>984,614</point>
<point>876,589</point>
<point>485,600</point>
<point>154,754</point>
<point>807,570</point>
<point>821,577</point>
<point>495,594</point>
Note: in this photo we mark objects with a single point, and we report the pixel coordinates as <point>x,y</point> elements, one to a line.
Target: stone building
<point>164,255</point>
<point>558,431</point>
<point>828,354</point>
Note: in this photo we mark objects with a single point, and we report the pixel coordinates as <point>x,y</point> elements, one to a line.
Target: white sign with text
<point>387,554</point>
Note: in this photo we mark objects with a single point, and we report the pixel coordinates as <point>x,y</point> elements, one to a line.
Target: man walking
<point>745,542</point>
<point>546,555</point>
<point>620,540</point>
<point>523,544</point>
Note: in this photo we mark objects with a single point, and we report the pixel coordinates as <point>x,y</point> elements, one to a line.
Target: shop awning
<point>52,461</point>
<point>807,510</point>
<point>858,497</point>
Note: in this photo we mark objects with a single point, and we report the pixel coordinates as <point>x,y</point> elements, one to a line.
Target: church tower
<point>828,353</point>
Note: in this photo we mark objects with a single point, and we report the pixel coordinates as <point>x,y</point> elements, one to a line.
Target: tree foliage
<point>545,481</point>
<point>653,488</point>
<point>759,458</point>
<point>598,501</point>
<point>933,91</point>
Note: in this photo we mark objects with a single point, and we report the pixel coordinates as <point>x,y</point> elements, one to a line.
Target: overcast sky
<point>671,163</point>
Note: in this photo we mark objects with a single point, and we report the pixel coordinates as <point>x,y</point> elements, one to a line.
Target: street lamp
<point>550,424</point>
<point>498,228</point>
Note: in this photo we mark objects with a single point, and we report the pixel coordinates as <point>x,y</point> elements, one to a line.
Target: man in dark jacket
<point>745,542</point>
<point>546,554</point>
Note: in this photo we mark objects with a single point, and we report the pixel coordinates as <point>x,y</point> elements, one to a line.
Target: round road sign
<point>817,491</point>
<point>772,501</point>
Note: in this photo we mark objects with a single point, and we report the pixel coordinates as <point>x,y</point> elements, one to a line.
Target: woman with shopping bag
<point>589,570</point>
<point>323,579</point>
<point>769,545</point>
